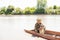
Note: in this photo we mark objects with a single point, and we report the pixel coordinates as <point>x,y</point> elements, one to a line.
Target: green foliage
<point>9,10</point>
<point>2,11</point>
<point>41,4</point>
<point>40,11</point>
<point>53,10</point>
<point>29,10</point>
<point>17,11</point>
<point>54,7</point>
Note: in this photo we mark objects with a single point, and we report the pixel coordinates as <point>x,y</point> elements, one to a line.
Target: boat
<point>47,35</point>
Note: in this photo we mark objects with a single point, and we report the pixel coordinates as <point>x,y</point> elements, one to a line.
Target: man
<point>39,27</point>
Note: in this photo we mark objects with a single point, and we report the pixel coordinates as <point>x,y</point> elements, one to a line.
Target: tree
<point>41,4</point>
<point>55,7</point>
<point>49,10</point>
<point>3,10</point>
<point>17,11</point>
<point>9,9</point>
<point>27,10</point>
<point>40,11</point>
<point>32,10</point>
<point>58,7</point>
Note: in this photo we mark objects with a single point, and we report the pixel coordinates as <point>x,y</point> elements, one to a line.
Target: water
<point>12,27</point>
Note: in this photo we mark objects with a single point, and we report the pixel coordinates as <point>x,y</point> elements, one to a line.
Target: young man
<point>39,27</point>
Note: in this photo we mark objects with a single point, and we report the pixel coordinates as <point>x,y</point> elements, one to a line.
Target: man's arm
<point>42,26</point>
<point>35,27</point>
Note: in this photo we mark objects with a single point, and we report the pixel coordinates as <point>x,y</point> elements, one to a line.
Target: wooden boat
<point>46,35</point>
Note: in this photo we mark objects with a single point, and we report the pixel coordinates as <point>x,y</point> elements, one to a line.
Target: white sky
<point>27,3</point>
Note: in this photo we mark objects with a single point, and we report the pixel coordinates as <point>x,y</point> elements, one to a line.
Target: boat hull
<point>43,35</point>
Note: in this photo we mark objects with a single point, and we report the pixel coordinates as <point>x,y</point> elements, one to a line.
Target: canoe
<point>52,32</point>
<point>44,35</point>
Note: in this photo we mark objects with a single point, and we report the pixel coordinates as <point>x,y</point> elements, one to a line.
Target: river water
<point>12,27</point>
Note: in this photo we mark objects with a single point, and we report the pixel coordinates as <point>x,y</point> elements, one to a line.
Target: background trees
<point>53,10</point>
<point>41,4</point>
<point>40,9</point>
<point>2,10</point>
<point>9,9</point>
<point>17,11</point>
<point>29,10</point>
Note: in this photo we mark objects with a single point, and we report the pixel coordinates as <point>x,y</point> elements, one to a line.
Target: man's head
<point>38,20</point>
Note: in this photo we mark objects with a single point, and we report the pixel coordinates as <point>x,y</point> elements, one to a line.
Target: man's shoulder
<point>42,25</point>
<point>36,23</point>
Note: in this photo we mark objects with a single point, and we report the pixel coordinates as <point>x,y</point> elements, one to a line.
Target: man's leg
<point>42,31</point>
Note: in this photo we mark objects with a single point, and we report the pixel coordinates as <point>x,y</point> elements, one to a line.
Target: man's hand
<point>41,28</point>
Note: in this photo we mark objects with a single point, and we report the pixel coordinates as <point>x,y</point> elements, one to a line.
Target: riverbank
<point>30,15</point>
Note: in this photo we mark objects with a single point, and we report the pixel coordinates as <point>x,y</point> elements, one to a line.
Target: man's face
<point>38,21</point>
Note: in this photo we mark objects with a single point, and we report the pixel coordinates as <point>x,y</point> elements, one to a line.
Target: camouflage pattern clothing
<point>37,26</point>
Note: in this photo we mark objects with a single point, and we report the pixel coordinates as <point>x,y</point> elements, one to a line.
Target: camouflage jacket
<point>37,26</point>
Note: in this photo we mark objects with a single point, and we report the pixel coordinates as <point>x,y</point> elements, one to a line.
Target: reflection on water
<point>12,27</point>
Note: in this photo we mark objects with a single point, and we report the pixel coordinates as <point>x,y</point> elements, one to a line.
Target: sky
<point>27,3</point>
